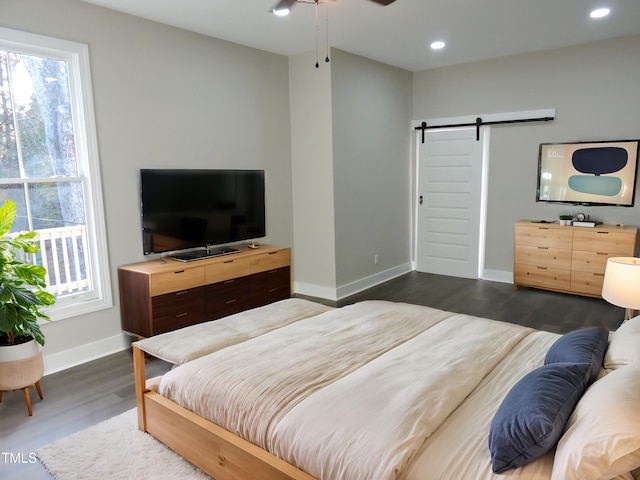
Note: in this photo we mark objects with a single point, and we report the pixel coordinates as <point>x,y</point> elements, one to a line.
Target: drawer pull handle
<point>273,290</point>
<point>543,228</point>
<point>179,271</point>
<point>184,292</point>
<point>228,261</point>
<point>541,268</point>
<point>603,233</point>
<point>182,314</point>
<point>602,253</point>
<point>543,248</point>
<point>230,301</point>
<point>273,253</point>
<point>229,281</point>
<point>599,274</point>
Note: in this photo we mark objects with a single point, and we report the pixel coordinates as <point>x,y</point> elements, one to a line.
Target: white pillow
<point>624,345</point>
<point>602,437</point>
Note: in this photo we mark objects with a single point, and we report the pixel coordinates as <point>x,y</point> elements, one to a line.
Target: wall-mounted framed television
<point>185,209</point>
<point>588,173</point>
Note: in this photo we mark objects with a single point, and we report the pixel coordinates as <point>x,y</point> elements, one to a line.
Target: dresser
<point>566,258</point>
<point>165,294</point>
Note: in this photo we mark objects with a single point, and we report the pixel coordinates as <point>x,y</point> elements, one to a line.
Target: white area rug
<point>115,449</point>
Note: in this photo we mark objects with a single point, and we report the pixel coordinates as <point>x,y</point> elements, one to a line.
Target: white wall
<point>164,97</point>
<point>594,89</point>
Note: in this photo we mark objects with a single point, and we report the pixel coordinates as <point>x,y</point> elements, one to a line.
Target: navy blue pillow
<point>532,416</point>
<point>587,345</point>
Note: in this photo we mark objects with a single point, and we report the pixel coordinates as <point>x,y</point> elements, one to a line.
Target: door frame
<point>486,153</point>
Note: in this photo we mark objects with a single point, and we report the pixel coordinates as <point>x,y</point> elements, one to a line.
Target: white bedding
<point>189,343</point>
<point>460,445</point>
<point>376,390</point>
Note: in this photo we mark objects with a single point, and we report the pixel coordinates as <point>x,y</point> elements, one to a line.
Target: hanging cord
<point>317,64</point>
<point>327,28</point>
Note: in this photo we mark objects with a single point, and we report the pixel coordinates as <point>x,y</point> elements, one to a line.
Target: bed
<point>384,390</point>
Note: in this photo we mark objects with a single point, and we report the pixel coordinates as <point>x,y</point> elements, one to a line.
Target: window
<point>49,165</point>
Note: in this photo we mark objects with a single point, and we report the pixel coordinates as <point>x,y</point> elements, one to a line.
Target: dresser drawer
<point>177,309</point>
<point>271,286</point>
<point>185,319</point>
<point>545,277</point>
<point>608,241</point>
<point>594,262</point>
<point>556,237</point>
<point>543,256</point>
<point>587,283</point>
<point>228,297</point>
<point>175,303</point>
<point>270,260</point>
<point>227,269</point>
<point>176,280</point>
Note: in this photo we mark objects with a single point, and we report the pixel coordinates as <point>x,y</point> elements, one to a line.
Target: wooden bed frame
<point>211,448</point>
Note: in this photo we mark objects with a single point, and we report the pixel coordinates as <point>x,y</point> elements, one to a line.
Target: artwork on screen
<point>588,173</point>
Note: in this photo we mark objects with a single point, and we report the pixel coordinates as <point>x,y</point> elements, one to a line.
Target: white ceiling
<point>398,34</point>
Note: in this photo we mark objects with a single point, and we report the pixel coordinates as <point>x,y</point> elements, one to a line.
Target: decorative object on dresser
<point>622,284</point>
<point>567,259</point>
<point>163,295</point>
<point>565,220</point>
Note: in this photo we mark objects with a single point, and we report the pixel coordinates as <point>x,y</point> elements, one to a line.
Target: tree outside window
<point>46,164</point>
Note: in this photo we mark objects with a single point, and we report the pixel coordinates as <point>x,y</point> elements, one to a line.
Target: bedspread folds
<point>189,343</point>
<point>368,383</point>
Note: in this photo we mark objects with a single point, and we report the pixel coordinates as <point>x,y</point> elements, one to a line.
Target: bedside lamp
<point>622,283</point>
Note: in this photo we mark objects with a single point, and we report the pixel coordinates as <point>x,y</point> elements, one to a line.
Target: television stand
<point>161,295</point>
<point>203,253</point>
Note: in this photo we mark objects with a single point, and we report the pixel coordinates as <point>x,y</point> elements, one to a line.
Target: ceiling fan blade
<point>282,4</point>
<point>383,2</point>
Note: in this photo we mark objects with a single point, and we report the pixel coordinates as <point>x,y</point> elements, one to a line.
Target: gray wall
<point>594,89</point>
<point>164,97</point>
<point>371,105</point>
<point>350,155</point>
<point>312,166</point>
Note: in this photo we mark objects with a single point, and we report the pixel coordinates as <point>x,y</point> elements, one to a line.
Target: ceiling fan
<point>287,4</point>
<point>284,6</point>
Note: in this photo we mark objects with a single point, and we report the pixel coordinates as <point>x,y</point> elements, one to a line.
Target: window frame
<point>76,55</point>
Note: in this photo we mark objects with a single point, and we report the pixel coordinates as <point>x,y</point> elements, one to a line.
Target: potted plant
<point>22,296</point>
<point>565,219</point>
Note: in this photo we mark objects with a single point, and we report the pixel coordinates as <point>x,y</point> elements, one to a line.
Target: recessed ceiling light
<point>600,12</point>
<point>437,45</point>
<point>281,12</point>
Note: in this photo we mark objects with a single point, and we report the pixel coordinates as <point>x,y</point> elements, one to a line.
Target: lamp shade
<point>622,282</point>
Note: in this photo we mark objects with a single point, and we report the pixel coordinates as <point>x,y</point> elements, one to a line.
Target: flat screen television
<point>583,173</point>
<point>186,209</point>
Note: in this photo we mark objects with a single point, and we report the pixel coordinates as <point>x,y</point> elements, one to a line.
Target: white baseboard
<point>498,276</point>
<point>312,290</point>
<point>92,351</point>
<point>372,280</point>
<point>352,288</point>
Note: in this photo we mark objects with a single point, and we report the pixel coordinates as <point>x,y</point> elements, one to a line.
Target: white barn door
<point>449,189</point>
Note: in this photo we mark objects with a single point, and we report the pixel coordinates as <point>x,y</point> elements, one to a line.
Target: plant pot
<point>565,223</point>
<point>20,365</point>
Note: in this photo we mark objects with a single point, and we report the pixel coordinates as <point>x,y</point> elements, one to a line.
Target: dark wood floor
<point>88,394</point>
<point>555,312</point>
